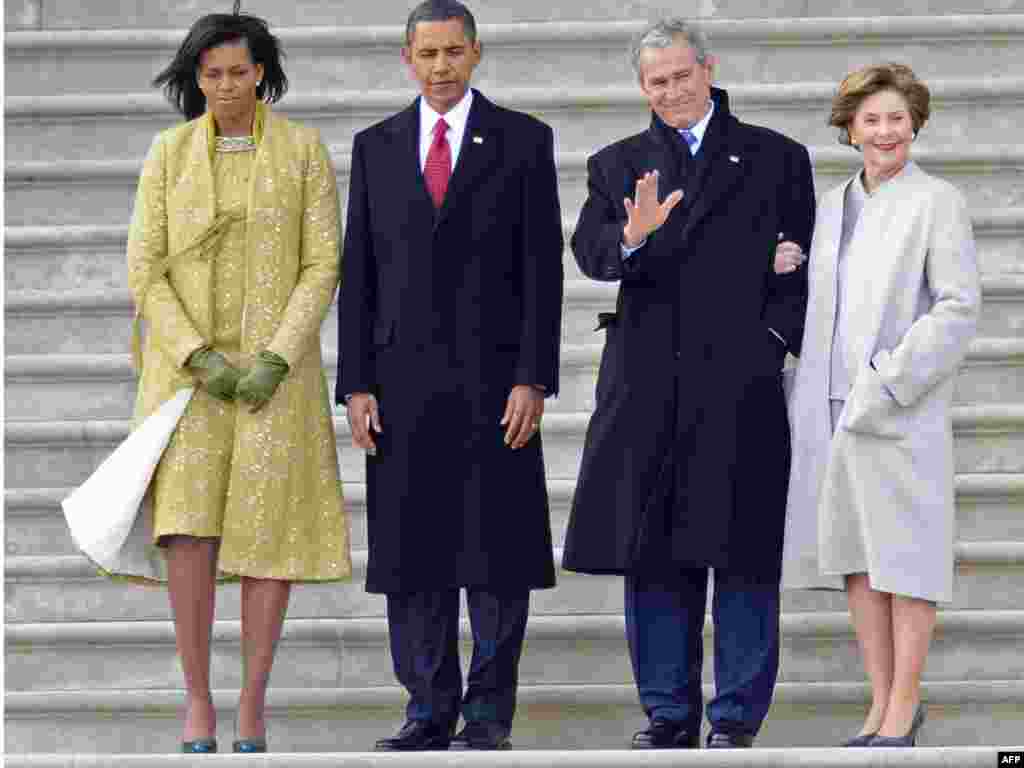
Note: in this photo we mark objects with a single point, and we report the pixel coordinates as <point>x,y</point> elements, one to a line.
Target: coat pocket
<point>871,410</point>
<point>606,320</point>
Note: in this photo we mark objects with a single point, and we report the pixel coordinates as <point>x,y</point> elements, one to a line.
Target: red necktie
<point>439,164</point>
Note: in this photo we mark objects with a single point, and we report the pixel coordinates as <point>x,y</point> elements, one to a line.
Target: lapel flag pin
<point>734,158</point>
<point>478,139</point>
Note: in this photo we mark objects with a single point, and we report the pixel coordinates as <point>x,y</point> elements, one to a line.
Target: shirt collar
<point>456,117</point>
<point>701,125</point>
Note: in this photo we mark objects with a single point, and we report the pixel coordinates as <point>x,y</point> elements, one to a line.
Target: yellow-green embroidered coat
<point>284,515</point>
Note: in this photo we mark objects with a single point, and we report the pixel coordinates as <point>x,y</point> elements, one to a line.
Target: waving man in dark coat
<point>449,329</point>
<point>687,454</point>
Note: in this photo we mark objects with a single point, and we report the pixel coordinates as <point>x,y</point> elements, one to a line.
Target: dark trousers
<point>664,627</point>
<point>424,635</point>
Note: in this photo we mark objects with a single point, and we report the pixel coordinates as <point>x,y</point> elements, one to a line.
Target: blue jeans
<point>664,627</point>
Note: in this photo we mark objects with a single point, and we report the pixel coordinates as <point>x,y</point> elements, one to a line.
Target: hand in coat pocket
<point>872,410</point>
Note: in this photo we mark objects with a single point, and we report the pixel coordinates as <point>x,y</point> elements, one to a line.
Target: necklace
<point>236,143</point>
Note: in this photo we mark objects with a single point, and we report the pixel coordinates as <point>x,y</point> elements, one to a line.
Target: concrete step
<point>990,507</point>
<point>559,650</point>
<point>924,757</point>
<point>68,589</point>
<point>121,126</point>
<point>49,194</point>
<point>91,259</point>
<point>75,387</point>
<point>520,48</point>
<point>56,454</point>
<point>548,717</point>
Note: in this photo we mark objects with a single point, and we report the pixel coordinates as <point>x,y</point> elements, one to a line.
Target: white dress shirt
<point>456,117</point>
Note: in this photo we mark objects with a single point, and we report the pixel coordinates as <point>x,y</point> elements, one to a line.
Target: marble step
<point>990,576</point>
<point>617,757</point>
<point>38,320</point>
<point>990,507</point>
<point>62,259</point>
<point>559,650</point>
<point>121,126</point>
<point>589,717</point>
<point>56,454</point>
<point>74,387</point>
<point>102,192</point>
<point>110,55</point>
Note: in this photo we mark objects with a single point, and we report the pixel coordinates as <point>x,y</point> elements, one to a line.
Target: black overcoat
<point>440,315</point>
<point>687,453</point>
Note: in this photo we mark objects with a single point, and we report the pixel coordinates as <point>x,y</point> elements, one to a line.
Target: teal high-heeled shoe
<point>249,745</point>
<point>199,746</point>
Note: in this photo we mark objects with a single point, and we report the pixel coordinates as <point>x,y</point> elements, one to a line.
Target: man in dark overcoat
<point>449,330</point>
<point>686,460</point>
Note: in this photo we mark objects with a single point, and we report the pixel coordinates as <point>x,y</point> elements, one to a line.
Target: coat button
<point>678,355</point>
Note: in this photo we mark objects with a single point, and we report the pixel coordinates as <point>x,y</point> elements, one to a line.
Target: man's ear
<point>711,62</point>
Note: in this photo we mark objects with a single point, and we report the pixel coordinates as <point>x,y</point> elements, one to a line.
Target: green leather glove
<point>258,385</point>
<point>216,375</point>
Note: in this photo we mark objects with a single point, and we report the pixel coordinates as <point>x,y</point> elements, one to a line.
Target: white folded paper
<point>109,514</point>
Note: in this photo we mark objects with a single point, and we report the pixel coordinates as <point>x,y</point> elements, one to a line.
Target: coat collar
<point>722,162</point>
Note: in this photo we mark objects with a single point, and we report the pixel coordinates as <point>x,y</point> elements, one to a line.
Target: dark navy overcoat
<point>687,453</point>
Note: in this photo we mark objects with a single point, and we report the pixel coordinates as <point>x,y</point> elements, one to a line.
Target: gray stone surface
<point>990,576</point>
<point>564,55</point>
<point>559,650</point>
<point>822,757</point>
<point>102,14</point>
<point>549,716</point>
<point>22,15</point>
<point>102,193</point>
<point>990,507</point>
<point>49,454</point>
<point>121,127</point>
<point>925,757</point>
<point>76,387</point>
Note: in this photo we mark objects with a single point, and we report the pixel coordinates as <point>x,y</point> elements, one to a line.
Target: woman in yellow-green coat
<point>233,258</point>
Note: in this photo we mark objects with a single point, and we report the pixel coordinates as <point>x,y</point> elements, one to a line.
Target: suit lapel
<point>481,145</point>
<point>408,173</point>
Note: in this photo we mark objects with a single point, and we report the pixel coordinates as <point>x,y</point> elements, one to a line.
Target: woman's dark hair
<point>179,79</point>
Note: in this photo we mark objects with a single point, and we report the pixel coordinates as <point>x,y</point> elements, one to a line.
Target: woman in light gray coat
<point>894,302</point>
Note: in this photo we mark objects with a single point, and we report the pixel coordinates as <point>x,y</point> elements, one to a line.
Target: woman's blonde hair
<point>868,81</point>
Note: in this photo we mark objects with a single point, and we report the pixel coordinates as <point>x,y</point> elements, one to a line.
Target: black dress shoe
<point>481,734</point>
<point>909,739</point>
<point>414,736</point>
<point>721,740</point>
<point>665,734</point>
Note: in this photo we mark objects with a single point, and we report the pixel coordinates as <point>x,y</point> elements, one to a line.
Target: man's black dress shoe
<point>721,740</point>
<point>481,734</point>
<point>665,734</point>
<point>416,735</point>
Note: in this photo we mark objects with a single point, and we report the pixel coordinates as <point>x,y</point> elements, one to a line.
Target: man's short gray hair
<point>666,33</point>
<point>440,10</point>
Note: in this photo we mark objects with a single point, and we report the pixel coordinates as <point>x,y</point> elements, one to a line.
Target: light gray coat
<point>877,497</point>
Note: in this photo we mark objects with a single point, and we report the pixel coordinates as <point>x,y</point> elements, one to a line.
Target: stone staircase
<point>90,664</point>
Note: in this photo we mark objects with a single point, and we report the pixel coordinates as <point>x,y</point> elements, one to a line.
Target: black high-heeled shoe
<point>199,746</point>
<point>864,740</point>
<point>907,740</point>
